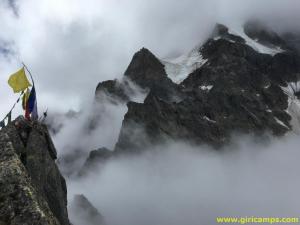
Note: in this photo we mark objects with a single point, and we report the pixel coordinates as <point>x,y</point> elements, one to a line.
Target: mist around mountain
<point>184,140</point>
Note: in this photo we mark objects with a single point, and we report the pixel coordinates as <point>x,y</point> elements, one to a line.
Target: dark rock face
<point>86,211</point>
<point>148,72</point>
<point>285,67</point>
<point>237,89</point>
<point>32,189</point>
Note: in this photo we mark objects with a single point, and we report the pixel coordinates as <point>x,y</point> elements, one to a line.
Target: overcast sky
<point>71,45</point>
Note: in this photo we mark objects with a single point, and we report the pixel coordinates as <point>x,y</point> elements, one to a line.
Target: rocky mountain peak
<point>145,65</point>
<point>147,71</point>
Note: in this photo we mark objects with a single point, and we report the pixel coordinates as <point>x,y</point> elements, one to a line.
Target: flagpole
<point>28,72</point>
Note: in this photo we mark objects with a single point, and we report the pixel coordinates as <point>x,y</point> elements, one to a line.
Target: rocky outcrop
<point>33,190</point>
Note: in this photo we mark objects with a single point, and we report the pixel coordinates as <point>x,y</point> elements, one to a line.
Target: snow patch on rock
<point>281,123</point>
<point>179,68</point>
<point>209,120</point>
<point>206,87</point>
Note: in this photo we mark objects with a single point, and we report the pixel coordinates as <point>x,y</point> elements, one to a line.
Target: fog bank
<point>179,184</point>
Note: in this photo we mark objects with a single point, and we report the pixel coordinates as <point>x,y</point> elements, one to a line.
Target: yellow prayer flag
<point>18,81</point>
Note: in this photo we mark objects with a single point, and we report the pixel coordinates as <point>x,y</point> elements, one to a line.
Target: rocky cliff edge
<point>33,191</point>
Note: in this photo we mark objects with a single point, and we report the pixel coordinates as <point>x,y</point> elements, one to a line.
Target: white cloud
<point>71,45</point>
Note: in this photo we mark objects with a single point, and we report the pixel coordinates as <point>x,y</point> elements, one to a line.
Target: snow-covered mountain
<point>180,67</point>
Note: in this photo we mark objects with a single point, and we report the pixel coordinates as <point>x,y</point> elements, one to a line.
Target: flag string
<point>8,115</point>
<point>28,72</point>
